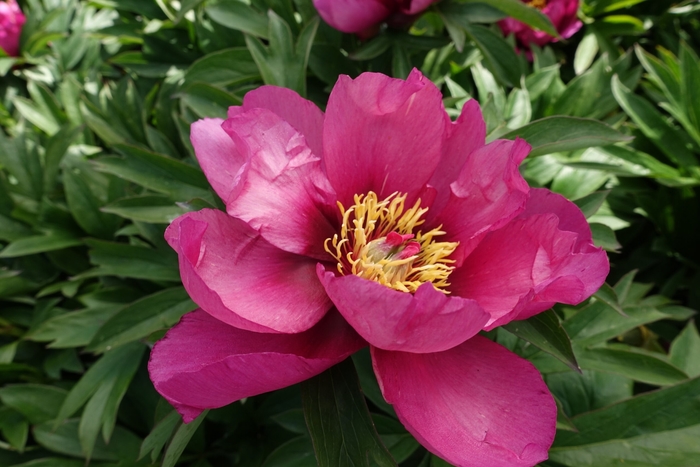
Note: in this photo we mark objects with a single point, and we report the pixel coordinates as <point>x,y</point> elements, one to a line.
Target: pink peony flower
<point>11,22</point>
<point>562,13</point>
<point>380,223</point>
<point>361,16</point>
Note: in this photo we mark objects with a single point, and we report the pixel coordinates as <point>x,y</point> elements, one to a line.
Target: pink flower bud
<point>363,16</point>
<point>11,22</point>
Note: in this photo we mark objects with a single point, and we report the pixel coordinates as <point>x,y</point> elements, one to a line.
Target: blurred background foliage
<point>96,161</point>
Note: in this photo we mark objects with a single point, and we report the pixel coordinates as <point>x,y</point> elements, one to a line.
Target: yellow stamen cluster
<point>366,225</point>
<point>539,4</point>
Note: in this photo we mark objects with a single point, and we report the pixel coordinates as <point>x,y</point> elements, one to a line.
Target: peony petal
<point>476,405</point>
<point>284,193</point>
<point>352,15</point>
<point>239,278</point>
<point>382,134</point>
<point>427,321</point>
<point>487,194</point>
<point>464,136</point>
<point>202,363</point>
<point>302,114</point>
<point>542,257</point>
<point>218,156</point>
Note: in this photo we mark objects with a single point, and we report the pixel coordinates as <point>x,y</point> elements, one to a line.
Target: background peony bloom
<point>359,16</point>
<point>11,22</point>
<point>562,13</point>
<point>380,223</point>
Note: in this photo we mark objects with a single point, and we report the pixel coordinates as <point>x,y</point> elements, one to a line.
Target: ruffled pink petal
<point>427,321</point>
<point>302,114</point>
<point>218,156</point>
<point>284,193</point>
<point>239,278</point>
<point>542,257</point>
<point>202,363</point>
<point>464,136</point>
<point>475,405</point>
<point>352,15</point>
<point>382,134</point>
<point>488,193</point>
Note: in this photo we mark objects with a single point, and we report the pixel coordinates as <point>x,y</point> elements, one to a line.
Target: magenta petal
<point>427,321</point>
<point>352,15</point>
<point>382,134</point>
<point>202,363</point>
<point>464,136</point>
<point>487,194</point>
<point>302,114</point>
<point>476,405</point>
<point>542,257</point>
<point>217,155</point>
<point>239,278</point>
<point>284,193</point>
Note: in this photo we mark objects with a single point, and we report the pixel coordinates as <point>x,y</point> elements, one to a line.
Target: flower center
<point>539,4</point>
<point>378,241</point>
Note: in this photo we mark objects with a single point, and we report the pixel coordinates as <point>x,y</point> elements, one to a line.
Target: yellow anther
<point>361,247</point>
<point>539,4</point>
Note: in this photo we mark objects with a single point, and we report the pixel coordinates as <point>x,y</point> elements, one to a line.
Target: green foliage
<point>95,161</point>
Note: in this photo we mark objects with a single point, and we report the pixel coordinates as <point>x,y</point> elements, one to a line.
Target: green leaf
<point>339,423</point>
<point>182,436</point>
<point>607,295</point>
<point>120,259</point>
<point>373,48</point>
<point>51,241</point>
<point>590,204</point>
<point>29,110</point>
<point>284,61</point>
<point>56,148</point>
<point>368,381</point>
<point>224,68</point>
<point>545,332</point>
<point>14,428</point>
<point>522,12</point>
<point>585,53</point>
<point>690,77</point>
<point>63,439</point>
<point>604,236</point>
<point>154,209</point>
<point>156,172</point>
<point>297,452</point>
<point>121,361</point>
<point>558,134</point>
<point>208,101</point>
<point>86,192</point>
<point>158,311</point>
<point>669,140</point>
<point>599,322</point>
<point>632,363</point>
<point>589,390</point>
<point>677,448</point>
<point>24,165</point>
<point>237,15</point>
<point>400,443</point>
<point>499,54</point>
<point>38,402</point>
<point>685,351</point>
<point>671,408</point>
<point>160,435</point>
<point>72,329</point>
